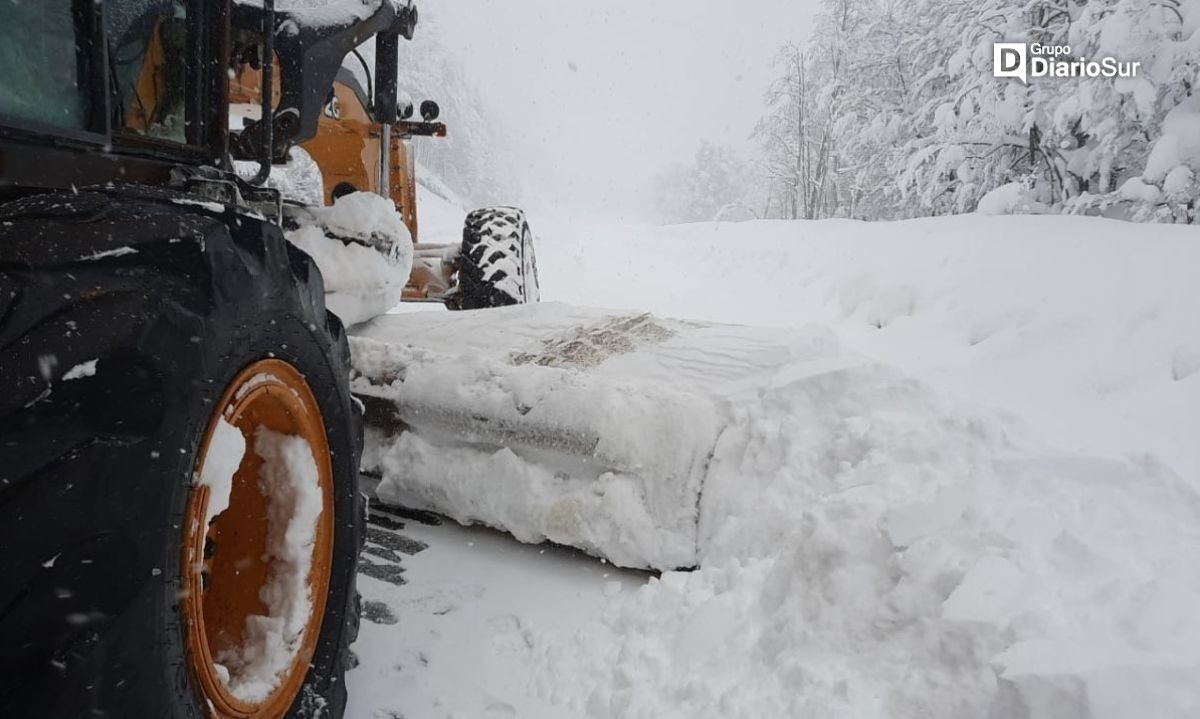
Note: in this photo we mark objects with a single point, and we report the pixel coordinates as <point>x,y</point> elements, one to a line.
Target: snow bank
<point>363,250</point>
<point>868,550</point>
<point>885,543</point>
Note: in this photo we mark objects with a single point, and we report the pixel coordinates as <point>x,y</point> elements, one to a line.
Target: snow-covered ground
<point>1085,328</point>
<point>981,497</point>
<point>458,638</point>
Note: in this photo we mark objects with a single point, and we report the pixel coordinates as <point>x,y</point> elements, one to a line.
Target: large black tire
<point>171,300</point>
<point>497,265</point>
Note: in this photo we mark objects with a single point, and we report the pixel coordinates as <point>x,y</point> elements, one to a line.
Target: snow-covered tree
<point>713,185</point>
<point>1074,141</point>
<point>893,110</point>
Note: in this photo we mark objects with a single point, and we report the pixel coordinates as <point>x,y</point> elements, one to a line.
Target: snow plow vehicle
<point>179,448</point>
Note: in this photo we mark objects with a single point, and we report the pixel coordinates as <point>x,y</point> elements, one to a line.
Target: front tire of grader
<point>137,333</point>
<point>497,264</point>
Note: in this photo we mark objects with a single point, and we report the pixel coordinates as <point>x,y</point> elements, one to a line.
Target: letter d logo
<point>1009,60</point>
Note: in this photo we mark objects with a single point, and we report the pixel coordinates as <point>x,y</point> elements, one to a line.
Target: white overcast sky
<point>596,96</point>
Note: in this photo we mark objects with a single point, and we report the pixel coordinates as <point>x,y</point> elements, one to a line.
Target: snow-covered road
<point>997,514</point>
<point>454,634</point>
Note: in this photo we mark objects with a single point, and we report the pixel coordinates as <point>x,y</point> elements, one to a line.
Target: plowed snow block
<point>586,427</point>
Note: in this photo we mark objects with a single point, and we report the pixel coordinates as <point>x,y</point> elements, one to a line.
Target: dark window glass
<point>147,54</point>
<point>42,65</point>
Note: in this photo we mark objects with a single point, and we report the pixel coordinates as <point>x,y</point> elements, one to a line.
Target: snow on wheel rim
<point>255,579</point>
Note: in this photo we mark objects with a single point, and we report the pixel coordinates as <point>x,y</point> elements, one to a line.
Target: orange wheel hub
<point>228,565</point>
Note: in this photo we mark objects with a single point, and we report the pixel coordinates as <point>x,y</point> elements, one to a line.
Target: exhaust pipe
<point>387,61</point>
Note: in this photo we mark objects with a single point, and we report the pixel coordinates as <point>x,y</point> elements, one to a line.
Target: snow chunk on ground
<point>289,477</point>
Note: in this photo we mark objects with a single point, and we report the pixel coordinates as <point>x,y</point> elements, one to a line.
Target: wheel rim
<point>237,608</point>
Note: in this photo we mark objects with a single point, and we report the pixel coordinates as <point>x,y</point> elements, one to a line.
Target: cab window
<point>147,54</point>
<point>44,66</point>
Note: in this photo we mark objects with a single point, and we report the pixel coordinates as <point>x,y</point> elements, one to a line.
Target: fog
<point>595,98</point>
